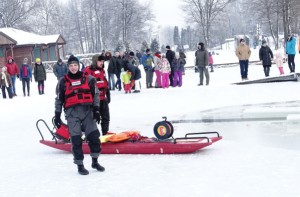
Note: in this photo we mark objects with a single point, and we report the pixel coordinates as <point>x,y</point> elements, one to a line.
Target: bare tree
<point>204,13</point>
<point>15,12</point>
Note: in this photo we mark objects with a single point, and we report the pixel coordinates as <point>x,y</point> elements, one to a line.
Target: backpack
<point>24,71</point>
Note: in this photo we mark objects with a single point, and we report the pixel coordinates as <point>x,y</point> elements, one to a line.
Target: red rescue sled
<point>190,143</point>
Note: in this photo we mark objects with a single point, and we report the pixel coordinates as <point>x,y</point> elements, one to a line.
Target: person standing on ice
<point>157,68</point>
<point>147,61</point>
<point>132,65</point>
<point>26,76</point>
<point>40,75</point>
<point>266,57</point>
<point>291,52</point>
<point>210,62</point>
<point>112,70</point>
<point>243,52</point>
<point>5,82</point>
<point>165,72</point>
<point>60,69</point>
<point>170,55</point>
<point>279,61</point>
<point>202,63</point>
<point>78,94</point>
<point>97,71</point>
<point>13,71</point>
<point>177,66</point>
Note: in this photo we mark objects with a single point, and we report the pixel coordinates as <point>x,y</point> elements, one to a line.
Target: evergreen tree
<point>189,38</point>
<point>120,46</point>
<point>183,38</point>
<point>176,37</point>
<point>144,46</point>
<point>163,48</point>
<point>128,47</point>
<point>154,45</point>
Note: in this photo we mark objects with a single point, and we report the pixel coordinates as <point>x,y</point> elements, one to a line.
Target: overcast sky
<point>168,12</point>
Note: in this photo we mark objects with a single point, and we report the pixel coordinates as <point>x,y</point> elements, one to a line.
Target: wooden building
<point>20,44</point>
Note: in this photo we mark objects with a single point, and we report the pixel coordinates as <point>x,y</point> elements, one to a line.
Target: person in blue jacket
<point>26,76</point>
<point>291,52</point>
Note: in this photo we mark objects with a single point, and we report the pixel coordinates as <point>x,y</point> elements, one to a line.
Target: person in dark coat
<point>135,75</point>
<point>120,65</point>
<point>78,95</point>
<point>138,55</point>
<point>202,63</point>
<point>112,70</point>
<point>266,56</point>
<point>40,75</point>
<point>170,55</point>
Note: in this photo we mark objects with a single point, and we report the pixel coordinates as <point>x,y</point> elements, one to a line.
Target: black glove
<point>57,120</point>
<point>96,114</point>
<point>18,76</point>
<point>108,96</point>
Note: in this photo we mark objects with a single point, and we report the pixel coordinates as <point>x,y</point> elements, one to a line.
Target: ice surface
<point>255,158</point>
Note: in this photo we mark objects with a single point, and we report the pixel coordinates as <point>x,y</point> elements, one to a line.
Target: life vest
<point>77,91</point>
<point>24,71</point>
<point>102,83</point>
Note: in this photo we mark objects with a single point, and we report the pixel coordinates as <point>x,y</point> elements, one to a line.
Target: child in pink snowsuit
<point>165,72</point>
<point>279,61</point>
<point>157,67</point>
<point>211,61</point>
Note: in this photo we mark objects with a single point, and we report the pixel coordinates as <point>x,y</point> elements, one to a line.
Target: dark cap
<point>73,60</point>
<point>131,53</point>
<point>101,58</point>
<point>168,47</point>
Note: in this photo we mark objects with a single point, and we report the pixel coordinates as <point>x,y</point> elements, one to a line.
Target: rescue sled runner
<point>131,142</point>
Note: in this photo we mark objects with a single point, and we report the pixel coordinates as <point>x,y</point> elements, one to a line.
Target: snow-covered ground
<point>253,159</point>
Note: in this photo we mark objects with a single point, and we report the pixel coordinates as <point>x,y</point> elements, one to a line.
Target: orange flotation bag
<point>120,137</point>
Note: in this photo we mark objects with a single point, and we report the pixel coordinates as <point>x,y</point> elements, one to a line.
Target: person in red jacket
<point>97,71</point>
<point>13,71</point>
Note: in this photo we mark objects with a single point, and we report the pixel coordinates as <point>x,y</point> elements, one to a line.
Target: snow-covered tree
<point>128,47</point>
<point>144,46</point>
<point>176,37</point>
<point>163,49</point>
<point>154,45</point>
<point>120,46</point>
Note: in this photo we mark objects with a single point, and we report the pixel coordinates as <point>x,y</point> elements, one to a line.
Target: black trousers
<point>291,62</point>
<point>105,117</point>
<point>267,70</point>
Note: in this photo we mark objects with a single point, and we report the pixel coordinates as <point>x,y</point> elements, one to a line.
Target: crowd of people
<point>10,72</point>
<point>266,56</point>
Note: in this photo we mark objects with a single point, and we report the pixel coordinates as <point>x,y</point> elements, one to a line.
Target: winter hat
<point>202,45</point>
<point>158,54</point>
<point>73,60</point>
<point>38,59</point>
<point>168,47</point>
<point>242,40</point>
<point>131,53</point>
<point>147,50</point>
<point>101,58</point>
